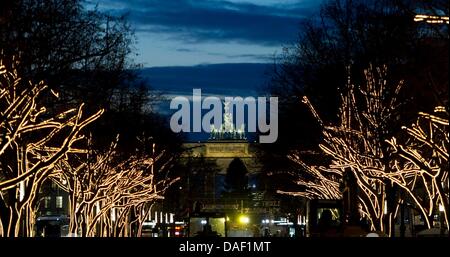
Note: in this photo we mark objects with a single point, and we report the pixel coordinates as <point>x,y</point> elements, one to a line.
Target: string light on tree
<point>32,141</point>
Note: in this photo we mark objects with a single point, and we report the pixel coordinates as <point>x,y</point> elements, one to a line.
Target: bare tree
<point>32,140</point>
<point>107,195</point>
<point>422,168</point>
<point>359,32</point>
<point>356,144</point>
<point>417,165</point>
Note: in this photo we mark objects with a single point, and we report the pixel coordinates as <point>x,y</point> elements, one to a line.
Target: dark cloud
<point>259,57</point>
<point>185,50</point>
<point>217,21</point>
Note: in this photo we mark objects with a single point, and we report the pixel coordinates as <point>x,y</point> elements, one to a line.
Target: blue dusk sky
<point>192,32</point>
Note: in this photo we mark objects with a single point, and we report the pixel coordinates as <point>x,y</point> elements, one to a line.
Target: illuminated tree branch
<point>319,183</point>
<point>108,195</point>
<point>32,141</point>
<point>356,145</point>
<point>423,163</point>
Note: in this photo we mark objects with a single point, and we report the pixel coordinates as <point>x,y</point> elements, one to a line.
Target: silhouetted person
<point>198,206</point>
<point>207,229</point>
<point>325,223</point>
<point>207,232</point>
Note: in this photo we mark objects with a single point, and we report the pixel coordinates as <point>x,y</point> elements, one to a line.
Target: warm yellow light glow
<point>244,219</point>
<point>103,189</point>
<point>431,131</point>
<point>431,18</point>
<point>54,135</point>
<point>355,147</point>
<point>122,188</point>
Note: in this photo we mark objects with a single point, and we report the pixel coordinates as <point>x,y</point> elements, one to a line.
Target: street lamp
<point>244,219</point>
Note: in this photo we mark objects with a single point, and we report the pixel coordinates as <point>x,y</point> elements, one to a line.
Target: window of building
<point>47,200</point>
<point>59,202</point>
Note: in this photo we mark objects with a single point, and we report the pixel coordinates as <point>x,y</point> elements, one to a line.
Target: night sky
<point>183,32</point>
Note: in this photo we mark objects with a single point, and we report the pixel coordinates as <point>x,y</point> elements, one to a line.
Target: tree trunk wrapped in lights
<point>356,144</point>
<point>108,195</point>
<point>32,141</point>
<point>422,167</point>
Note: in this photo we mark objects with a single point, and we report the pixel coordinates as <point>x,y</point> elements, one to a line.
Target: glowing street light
<point>244,219</point>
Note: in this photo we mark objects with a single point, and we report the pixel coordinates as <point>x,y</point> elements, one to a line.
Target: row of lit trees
<point>421,166</point>
<point>109,196</point>
<point>362,143</point>
<point>106,190</point>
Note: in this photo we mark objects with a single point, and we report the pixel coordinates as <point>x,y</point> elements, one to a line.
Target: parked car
<point>52,226</point>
